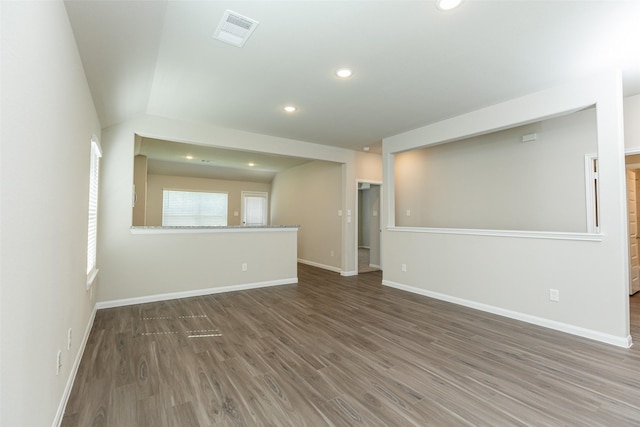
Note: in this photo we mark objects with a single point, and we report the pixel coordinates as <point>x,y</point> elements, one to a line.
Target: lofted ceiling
<point>413,64</point>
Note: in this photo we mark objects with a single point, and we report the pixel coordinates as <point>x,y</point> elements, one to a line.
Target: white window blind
<point>94,173</point>
<point>193,208</point>
<point>254,208</point>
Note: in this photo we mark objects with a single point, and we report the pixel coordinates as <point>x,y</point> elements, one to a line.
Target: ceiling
<point>413,64</point>
<point>198,161</point>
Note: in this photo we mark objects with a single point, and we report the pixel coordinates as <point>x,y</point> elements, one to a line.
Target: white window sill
<point>590,237</point>
<point>217,229</point>
<point>91,277</point>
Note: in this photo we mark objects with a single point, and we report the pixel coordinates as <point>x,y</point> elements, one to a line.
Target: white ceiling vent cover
<point>234,28</point>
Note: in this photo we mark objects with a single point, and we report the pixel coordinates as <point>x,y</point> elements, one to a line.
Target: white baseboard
<point>194,293</point>
<point>625,342</point>
<point>317,264</point>
<point>74,370</point>
<point>328,267</point>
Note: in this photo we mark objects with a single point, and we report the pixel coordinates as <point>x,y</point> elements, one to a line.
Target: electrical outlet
<point>554,295</point>
<point>59,362</point>
<point>404,267</point>
<point>69,339</point>
<point>332,253</point>
<point>408,212</point>
<point>244,266</point>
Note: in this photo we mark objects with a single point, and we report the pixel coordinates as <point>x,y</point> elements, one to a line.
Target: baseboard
<point>74,370</point>
<point>317,264</point>
<point>625,342</point>
<point>194,293</point>
<point>348,273</point>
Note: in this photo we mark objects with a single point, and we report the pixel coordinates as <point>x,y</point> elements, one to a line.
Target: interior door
<point>632,210</point>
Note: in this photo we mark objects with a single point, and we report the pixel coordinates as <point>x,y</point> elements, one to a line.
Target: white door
<point>632,210</point>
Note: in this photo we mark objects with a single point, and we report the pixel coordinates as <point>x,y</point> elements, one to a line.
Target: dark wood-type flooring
<point>342,351</point>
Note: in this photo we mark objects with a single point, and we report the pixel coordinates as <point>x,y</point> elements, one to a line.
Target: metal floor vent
<point>234,28</point>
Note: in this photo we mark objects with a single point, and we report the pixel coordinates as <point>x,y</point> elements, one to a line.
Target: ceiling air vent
<point>234,28</point>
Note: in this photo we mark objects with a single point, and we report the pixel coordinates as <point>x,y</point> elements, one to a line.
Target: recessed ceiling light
<point>189,157</point>
<point>290,108</point>
<point>252,164</point>
<point>344,72</point>
<point>448,4</point>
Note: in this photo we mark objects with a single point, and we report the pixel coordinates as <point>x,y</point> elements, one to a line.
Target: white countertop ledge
<point>216,229</point>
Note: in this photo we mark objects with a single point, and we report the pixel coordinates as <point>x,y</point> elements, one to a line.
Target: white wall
<point>511,274</point>
<point>310,195</point>
<point>130,265</point>
<point>632,123</point>
<point>496,181</point>
<point>369,166</point>
<point>48,120</point>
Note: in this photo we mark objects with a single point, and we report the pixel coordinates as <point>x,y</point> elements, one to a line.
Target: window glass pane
<point>193,208</point>
<point>254,208</point>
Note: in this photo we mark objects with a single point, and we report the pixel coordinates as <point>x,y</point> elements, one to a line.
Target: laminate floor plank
<point>344,351</point>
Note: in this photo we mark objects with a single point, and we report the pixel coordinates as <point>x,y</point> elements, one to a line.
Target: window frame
<point>92,219</point>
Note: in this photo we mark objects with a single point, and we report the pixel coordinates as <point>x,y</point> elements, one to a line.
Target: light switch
<point>349,212</point>
<point>235,213</point>
<point>339,213</point>
<point>375,213</point>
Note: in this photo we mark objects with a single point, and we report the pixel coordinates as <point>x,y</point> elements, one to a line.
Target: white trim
<point>590,237</point>
<point>91,278</point>
<point>348,273</point>
<point>317,264</point>
<point>194,293</point>
<point>221,229</point>
<point>625,342</point>
<point>74,370</point>
<point>590,194</point>
<point>96,141</point>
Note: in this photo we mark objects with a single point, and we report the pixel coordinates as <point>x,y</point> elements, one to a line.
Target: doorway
<point>632,163</point>
<point>368,247</point>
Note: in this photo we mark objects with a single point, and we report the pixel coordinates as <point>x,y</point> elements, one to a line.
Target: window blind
<point>92,235</point>
<point>194,208</point>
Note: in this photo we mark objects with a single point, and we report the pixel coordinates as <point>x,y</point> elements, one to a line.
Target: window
<point>254,208</point>
<point>193,208</point>
<point>94,173</point>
